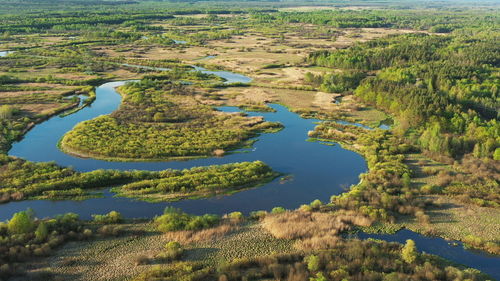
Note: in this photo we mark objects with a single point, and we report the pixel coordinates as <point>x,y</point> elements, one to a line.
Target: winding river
<point>318,171</point>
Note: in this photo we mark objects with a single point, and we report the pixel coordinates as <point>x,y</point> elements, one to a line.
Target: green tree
<point>409,251</point>
<point>406,180</point>
<point>431,139</point>
<point>6,112</point>
<point>41,232</point>
<point>20,223</point>
<point>115,217</point>
<point>496,154</point>
<point>172,219</point>
<point>313,263</point>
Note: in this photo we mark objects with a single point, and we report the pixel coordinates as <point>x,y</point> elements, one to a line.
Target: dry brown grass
<point>190,236</point>
<point>312,230</point>
<point>42,108</point>
<point>219,152</point>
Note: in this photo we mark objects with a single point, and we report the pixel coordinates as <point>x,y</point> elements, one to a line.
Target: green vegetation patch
<point>21,179</point>
<point>160,120</point>
<point>199,182</point>
<point>175,219</point>
<point>442,89</point>
<point>23,237</point>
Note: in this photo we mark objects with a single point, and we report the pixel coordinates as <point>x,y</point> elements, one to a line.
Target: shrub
<point>171,220</point>
<point>41,232</point>
<point>200,222</point>
<point>67,219</point>
<point>109,230</point>
<point>235,216</point>
<point>111,217</point>
<point>258,215</point>
<point>430,189</point>
<point>406,180</point>
<point>430,170</point>
<point>409,251</point>
<point>20,223</point>
<point>278,210</point>
<point>6,111</point>
<point>173,251</point>
<point>305,208</point>
<point>316,204</point>
<point>174,219</point>
<point>313,263</point>
<point>87,233</point>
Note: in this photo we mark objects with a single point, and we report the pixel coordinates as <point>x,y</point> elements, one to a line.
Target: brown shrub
<point>315,230</point>
<point>4,197</point>
<point>16,196</point>
<point>42,251</point>
<point>219,152</point>
<point>444,178</point>
<point>422,217</point>
<point>323,242</point>
<point>109,230</point>
<point>298,273</point>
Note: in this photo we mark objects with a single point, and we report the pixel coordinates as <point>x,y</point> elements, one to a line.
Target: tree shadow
<point>200,253</point>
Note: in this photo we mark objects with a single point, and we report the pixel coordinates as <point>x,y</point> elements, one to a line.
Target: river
<point>317,172</point>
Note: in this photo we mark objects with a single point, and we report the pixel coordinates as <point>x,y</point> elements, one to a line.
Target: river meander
<point>317,172</point>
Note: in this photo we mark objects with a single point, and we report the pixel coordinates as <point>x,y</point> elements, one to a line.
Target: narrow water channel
<point>317,170</point>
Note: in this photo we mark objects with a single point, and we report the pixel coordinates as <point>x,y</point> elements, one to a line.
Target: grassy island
<point>161,119</point>
<point>22,180</point>
<point>172,185</point>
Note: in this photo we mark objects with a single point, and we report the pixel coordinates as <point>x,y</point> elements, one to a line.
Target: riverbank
<point>129,254</point>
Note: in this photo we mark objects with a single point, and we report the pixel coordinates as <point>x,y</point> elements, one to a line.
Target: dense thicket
<point>21,179</point>
<point>442,21</point>
<point>444,86</point>
<point>385,190</point>
<point>24,237</point>
<point>199,181</point>
<point>175,220</point>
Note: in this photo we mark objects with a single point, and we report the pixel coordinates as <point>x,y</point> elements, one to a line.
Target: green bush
<point>305,208</point>
<point>409,252</point>
<point>316,204</point>
<point>20,223</point>
<point>111,217</point>
<point>173,251</point>
<point>257,215</point>
<point>313,263</point>
<point>175,219</point>
<point>41,231</point>
<point>235,216</point>
<point>278,210</point>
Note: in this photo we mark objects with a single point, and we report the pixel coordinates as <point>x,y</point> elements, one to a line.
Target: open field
<point>115,258</point>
